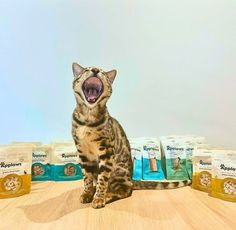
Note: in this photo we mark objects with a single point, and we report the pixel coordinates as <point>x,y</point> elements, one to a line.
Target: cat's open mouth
<point>92,89</point>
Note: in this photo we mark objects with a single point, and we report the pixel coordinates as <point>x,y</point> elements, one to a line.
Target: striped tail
<point>142,185</point>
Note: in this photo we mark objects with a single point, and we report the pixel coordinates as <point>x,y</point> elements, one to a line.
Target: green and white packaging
<point>174,158</point>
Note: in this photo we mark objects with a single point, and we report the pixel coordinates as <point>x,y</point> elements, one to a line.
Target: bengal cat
<point>103,147</point>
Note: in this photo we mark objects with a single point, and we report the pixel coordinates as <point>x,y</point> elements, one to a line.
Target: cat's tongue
<point>92,89</point>
<point>92,98</point>
<point>92,95</point>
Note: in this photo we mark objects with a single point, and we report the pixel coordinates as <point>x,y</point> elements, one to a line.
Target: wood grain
<point>55,205</point>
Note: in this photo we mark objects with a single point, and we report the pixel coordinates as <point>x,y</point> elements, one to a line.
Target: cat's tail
<point>139,185</point>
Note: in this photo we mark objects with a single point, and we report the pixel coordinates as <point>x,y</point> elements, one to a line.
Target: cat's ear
<point>77,69</point>
<point>111,75</point>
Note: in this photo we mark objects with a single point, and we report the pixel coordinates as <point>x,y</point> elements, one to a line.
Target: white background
<point>175,62</point>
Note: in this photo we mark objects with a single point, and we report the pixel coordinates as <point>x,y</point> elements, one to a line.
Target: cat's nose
<point>95,71</point>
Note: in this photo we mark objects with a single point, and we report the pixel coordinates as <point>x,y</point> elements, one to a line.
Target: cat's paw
<point>86,198</point>
<point>98,202</point>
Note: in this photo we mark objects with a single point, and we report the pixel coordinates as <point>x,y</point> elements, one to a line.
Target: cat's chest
<point>87,137</point>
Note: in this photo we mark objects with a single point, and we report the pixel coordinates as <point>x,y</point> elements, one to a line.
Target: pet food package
<point>41,163</point>
<point>202,168</point>
<point>15,170</point>
<point>224,175</point>
<point>65,162</point>
<point>190,145</point>
<point>41,156</point>
<point>174,158</point>
<point>136,153</point>
<point>152,167</point>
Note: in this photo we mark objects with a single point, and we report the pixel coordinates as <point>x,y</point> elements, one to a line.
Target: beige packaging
<point>63,153</point>
<point>202,167</point>
<point>15,170</point>
<point>224,175</point>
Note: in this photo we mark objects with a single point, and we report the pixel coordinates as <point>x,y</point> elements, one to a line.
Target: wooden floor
<point>55,205</point>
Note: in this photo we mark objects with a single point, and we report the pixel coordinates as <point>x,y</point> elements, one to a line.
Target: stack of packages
<point>214,171</point>
<point>167,158</point>
<point>22,162</point>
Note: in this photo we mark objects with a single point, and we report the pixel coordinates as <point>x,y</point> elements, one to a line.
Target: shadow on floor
<point>68,202</point>
<point>55,208</point>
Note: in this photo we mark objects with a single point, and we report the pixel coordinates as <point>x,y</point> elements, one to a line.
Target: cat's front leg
<point>105,169</point>
<point>89,188</point>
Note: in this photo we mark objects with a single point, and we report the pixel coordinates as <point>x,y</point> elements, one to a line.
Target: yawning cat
<point>103,147</point>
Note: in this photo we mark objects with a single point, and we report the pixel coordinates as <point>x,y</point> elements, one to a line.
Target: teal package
<point>41,168</point>
<point>136,154</point>
<point>41,172</point>
<point>67,172</point>
<point>174,155</point>
<point>152,174</point>
<point>65,162</point>
<point>137,169</point>
<point>152,168</point>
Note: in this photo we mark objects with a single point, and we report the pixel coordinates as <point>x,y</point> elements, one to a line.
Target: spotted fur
<point>101,142</point>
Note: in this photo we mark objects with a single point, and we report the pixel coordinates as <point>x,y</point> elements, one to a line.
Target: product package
<point>190,145</point>
<point>224,175</point>
<point>202,167</point>
<point>15,170</point>
<point>174,158</point>
<point>136,153</point>
<point>65,162</point>
<point>152,167</point>
<point>41,165</point>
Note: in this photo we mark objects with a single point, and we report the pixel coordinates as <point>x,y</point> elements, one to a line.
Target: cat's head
<point>92,85</point>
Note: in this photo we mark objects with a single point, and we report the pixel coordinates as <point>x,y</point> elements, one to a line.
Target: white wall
<point>175,62</point>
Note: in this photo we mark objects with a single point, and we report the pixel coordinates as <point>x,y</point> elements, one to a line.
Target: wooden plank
<point>55,205</point>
